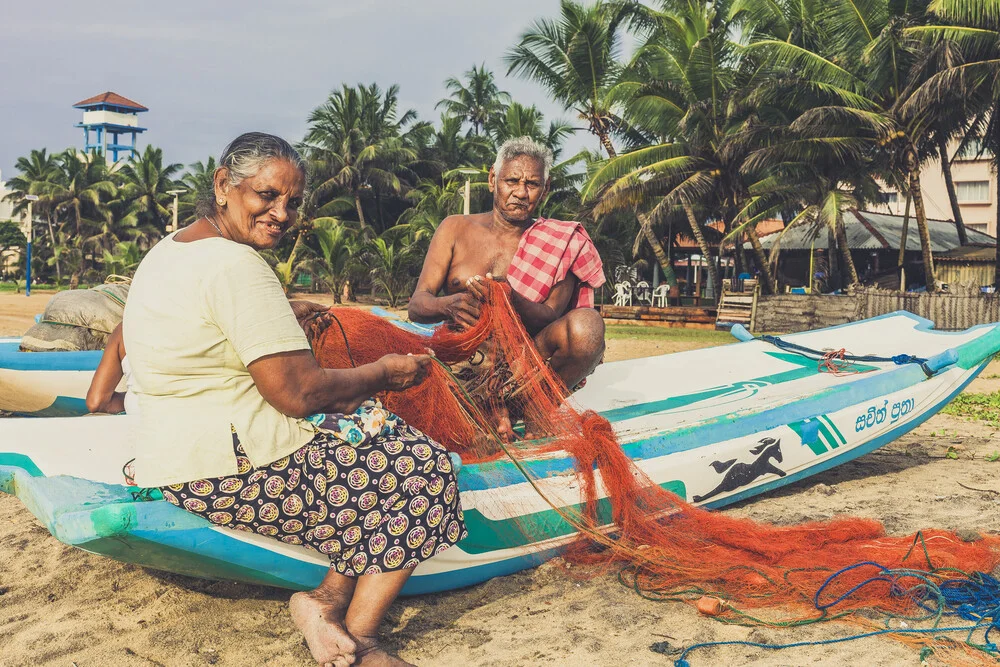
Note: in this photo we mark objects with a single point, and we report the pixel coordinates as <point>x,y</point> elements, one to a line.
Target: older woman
<point>239,424</point>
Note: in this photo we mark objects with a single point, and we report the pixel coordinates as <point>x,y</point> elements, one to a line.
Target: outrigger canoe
<point>54,384</point>
<point>714,426</point>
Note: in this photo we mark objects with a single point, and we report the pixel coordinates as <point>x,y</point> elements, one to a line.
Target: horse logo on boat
<point>741,474</point>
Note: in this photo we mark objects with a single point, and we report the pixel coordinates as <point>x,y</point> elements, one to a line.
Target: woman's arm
<point>297,386</point>
<point>102,397</point>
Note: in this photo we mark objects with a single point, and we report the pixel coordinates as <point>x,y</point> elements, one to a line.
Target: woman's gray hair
<point>245,156</point>
<point>526,146</point>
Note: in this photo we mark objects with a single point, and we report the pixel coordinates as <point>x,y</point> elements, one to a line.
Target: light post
<point>31,199</point>
<point>175,193</point>
<point>468,186</point>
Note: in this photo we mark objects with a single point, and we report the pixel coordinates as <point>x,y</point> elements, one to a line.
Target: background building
<point>975,187</point>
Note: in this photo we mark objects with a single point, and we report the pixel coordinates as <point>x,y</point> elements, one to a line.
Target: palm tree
<point>974,27</point>
<point>145,182</point>
<point>576,59</point>
<point>434,203</point>
<point>521,121</point>
<point>123,260</point>
<point>354,146</point>
<point>447,147</point>
<point>477,100</point>
<point>389,263</point>
<point>198,180</point>
<point>683,91</point>
<point>80,196</point>
<point>337,261</point>
<point>858,87</point>
<point>288,269</point>
<point>35,171</point>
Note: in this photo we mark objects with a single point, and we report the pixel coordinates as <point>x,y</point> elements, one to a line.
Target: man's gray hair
<point>527,146</point>
<point>245,156</point>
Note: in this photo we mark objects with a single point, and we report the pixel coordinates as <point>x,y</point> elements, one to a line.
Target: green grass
<point>979,407</point>
<point>6,287</point>
<point>706,337</point>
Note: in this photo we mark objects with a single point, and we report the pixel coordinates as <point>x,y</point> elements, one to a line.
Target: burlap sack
<point>77,320</point>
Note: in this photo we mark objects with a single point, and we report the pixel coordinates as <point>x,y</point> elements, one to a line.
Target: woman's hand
<point>303,310</point>
<point>403,371</point>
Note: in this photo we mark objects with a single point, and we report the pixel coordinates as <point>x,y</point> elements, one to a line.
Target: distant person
<point>552,265</point>
<point>231,397</point>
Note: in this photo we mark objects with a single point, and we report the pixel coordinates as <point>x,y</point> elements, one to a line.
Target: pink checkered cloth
<point>548,251</point>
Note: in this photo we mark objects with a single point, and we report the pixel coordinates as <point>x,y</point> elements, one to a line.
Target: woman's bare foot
<point>320,617</point>
<point>370,654</point>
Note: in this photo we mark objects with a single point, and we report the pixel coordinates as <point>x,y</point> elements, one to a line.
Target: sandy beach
<point>62,606</point>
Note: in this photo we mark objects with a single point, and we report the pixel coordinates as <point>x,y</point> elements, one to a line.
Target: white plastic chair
<point>623,294</point>
<point>642,292</point>
<point>659,296</point>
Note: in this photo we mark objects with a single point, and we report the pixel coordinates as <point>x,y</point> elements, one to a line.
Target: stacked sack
<point>77,320</point>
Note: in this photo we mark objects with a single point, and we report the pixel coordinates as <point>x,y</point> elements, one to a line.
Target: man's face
<point>518,189</point>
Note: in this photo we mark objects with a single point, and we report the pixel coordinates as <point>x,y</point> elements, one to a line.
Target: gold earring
<point>221,201</point>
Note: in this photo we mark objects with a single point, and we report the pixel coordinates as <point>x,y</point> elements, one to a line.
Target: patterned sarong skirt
<point>369,491</point>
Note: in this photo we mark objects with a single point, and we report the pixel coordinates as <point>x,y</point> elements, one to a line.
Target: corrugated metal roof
<point>969,255</point>
<point>878,231</point>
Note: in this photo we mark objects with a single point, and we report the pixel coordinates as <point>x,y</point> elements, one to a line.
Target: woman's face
<point>259,210</point>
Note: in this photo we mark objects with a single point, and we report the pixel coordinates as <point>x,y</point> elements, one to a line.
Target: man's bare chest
<point>472,257</point>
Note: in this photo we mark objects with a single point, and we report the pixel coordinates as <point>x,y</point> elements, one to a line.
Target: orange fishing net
<point>666,548</point>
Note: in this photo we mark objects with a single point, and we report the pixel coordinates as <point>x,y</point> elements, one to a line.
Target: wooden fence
<point>959,309</point>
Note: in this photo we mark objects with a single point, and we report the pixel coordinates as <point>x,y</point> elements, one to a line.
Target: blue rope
<point>682,661</point>
<point>899,359</point>
<point>974,597</point>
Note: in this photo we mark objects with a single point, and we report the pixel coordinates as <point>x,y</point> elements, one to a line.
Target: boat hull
<point>783,421</point>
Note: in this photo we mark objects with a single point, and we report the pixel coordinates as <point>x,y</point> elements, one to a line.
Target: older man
<point>551,265</point>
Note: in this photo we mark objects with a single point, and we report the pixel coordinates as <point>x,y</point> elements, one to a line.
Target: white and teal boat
<point>55,384</point>
<point>44,384</point>
<point>714,426</point>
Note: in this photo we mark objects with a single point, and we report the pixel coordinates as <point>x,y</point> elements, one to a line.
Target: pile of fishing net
<point>662,546</point>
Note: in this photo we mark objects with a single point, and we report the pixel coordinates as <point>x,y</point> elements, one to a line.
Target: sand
<point>62,606</point>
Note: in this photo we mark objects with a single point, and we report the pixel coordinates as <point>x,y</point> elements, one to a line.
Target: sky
<point>208,71</point>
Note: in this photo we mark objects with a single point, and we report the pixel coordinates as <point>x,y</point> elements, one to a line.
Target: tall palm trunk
<point>925,236</point>
<point>905,233</point>
<point>646,225</point>
<point>845,250</point>
<point>606,142</point>
<point>996,165</point>
<point>767,280</point>
<point>699,237</point>
<point>361,212</point>
<point>956,211</point>
<point>78,240</point>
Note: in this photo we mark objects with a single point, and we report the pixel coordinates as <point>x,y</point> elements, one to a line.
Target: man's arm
<point>425,304</point>
<point>534,316</point>
<point>537,316</point>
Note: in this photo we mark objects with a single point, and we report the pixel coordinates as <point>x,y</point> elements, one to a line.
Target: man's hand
<point>462,308</point>
<point>403,371</point>
<point>305,309</point>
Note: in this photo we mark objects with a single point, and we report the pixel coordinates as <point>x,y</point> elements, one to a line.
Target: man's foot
<point>321,621</point>
<point>370,654</point>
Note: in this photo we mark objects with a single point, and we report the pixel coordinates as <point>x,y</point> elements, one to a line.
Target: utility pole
<point>31,199</point>
<point>175,193</point>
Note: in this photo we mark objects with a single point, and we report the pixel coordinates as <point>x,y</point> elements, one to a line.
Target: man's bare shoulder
<point>455,226</point>
<point>459,221</point>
